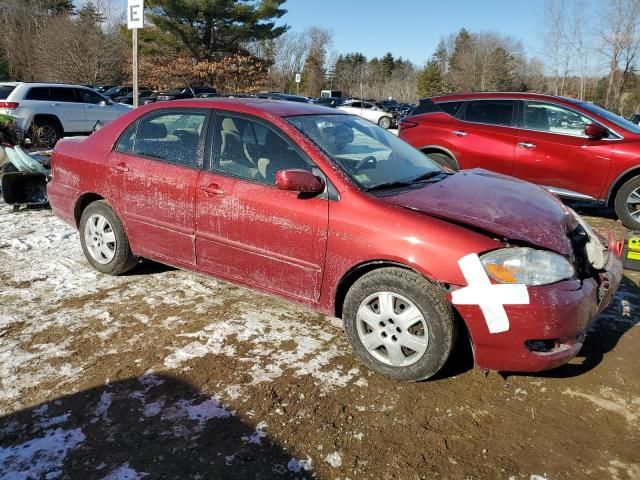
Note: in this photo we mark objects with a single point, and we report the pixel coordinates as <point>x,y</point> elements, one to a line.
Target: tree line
<point>590,51</point>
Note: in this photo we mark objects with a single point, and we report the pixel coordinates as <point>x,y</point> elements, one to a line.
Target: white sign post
<point>135,20</point>
<point>297,83</point>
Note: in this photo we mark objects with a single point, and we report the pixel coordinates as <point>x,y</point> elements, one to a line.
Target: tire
<point>444,161</point>
<point>105,246</point>
<point>45,133</point>
<point>431,328</point>
<point>384,122</point>
<point>626,204</point>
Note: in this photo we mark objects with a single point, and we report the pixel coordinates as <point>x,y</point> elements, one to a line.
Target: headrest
<point>229,125</point>
<point>150,130</point>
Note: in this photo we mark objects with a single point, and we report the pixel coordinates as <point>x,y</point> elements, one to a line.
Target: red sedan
<point>329,210</point>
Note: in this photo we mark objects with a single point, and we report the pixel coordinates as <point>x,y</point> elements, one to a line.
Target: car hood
<point>501,205</point>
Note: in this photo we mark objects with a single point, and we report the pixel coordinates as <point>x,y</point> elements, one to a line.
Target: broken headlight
<point>526,266</point>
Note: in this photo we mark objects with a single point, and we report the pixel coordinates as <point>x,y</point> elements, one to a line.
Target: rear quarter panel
<point>432,130</point>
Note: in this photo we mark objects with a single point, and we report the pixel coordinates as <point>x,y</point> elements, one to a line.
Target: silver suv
<point>45,112</point>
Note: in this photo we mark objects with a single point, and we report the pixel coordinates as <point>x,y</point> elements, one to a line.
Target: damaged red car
<point>327,209</point>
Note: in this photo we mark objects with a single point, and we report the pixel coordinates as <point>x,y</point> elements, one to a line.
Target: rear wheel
<point>385,122</point>
<point>104,240</point>
<point>45,133</point>
<point>444,160</point>
<point>399,324</point>
<point>627,204</point>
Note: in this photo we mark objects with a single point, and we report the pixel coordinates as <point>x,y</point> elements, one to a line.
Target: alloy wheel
<point>633,204</point>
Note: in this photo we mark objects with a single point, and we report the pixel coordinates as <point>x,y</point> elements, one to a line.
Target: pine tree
<point>388,63</point>
<point>211,29</point>
<point>462,61</point>
<point>430,80</point>
<point>502,73</point>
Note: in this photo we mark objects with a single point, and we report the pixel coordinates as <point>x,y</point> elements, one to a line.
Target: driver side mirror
<point>595,131</point>
<point>299,181</point>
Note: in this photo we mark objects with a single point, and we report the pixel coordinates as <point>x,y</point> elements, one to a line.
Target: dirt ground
<point>169,374</point>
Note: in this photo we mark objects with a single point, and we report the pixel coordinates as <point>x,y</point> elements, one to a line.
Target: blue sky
<point>412,28</point>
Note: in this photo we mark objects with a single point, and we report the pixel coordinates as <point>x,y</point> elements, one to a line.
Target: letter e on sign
<point>135,14</point>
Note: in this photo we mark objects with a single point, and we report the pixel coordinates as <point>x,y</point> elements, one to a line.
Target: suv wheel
<point>385,122</point>
<point>104,241</point>
<point>444,161</point>
<point>399,324</point>
<point>627,204</point>
<point>45,133</point>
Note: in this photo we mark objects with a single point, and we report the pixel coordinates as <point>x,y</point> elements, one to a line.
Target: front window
<point>372,157</point>
<point>610,116</point>
<point>547,117</point>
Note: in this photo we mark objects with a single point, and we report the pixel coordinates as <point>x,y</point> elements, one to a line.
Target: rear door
<point>156,166</point>
<point>553,151</point>
<point>66,105</point>
<point>485,136</point>
<point>247,229</point>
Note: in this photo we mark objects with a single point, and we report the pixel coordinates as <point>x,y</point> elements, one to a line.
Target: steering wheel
<point>367,162</point>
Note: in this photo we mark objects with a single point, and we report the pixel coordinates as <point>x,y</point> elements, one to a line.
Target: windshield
<point>372,157</point>
<point>612,117</point>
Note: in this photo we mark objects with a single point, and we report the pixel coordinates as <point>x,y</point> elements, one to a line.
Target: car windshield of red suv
<point>612,117</point>
<point>372,157</point>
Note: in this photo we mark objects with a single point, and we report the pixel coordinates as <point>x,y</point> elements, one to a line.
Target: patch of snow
<point>100,413</point>
<point>154,408</point>
<point>297,466</point>
<point>125,472</point>
<point>334,459</point>
<point>40,457</point>
<point>257,436</point>
<point>200,412</point>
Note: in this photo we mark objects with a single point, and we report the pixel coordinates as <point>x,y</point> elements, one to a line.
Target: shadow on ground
<point>148,427</point>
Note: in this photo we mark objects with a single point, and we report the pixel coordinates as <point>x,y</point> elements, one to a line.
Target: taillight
<point>404,124</point>
<point>9,105</point>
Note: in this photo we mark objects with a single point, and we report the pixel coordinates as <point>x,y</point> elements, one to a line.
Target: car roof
<point>507,95</point>
<point>280,108</point>
<point>43,84</point>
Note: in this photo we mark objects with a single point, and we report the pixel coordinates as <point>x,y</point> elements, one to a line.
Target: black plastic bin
<point>24,189</point>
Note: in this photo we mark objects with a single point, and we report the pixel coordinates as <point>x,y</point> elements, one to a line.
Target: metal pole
<point>297,88</point>
<point>135,67</point>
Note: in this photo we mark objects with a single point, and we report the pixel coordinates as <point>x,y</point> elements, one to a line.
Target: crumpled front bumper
<point>550,330</point>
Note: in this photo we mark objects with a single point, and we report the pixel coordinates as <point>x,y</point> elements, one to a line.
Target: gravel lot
<point>169,374</point>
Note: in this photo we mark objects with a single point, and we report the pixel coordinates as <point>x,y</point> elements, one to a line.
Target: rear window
<point>63,94</point>
<point>5,90</point>
<point>452,108</point>
<point>425,106</point>
<point>37,93</point>
<point>490,112</point>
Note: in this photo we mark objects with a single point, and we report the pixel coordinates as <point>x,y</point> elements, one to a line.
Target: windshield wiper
<point>389,185</point>
<point>429,176</point>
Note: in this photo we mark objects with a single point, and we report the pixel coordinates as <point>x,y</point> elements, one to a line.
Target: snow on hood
<point>496,203</point>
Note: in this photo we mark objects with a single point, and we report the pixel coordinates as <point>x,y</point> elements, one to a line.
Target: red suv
<point>332,211</point>
<point>575,149</point>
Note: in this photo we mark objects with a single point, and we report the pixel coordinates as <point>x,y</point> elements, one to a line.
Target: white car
<point>51,111</point>
<point>369,111</point>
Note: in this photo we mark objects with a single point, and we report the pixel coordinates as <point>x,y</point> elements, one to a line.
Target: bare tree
<point>621,39</point>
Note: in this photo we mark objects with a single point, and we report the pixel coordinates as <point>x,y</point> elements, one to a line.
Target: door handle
<point>212,189</point>
<point>120,168</point>
<point>460,133</point>
<point>527,145</point>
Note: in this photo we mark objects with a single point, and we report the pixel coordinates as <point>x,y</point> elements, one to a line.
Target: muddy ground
<point>169,374</point>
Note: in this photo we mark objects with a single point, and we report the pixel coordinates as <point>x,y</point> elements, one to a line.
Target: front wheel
<point>627,204</point>
<point>385,122</point>
<point>399,324</point>
<point>104,241</point>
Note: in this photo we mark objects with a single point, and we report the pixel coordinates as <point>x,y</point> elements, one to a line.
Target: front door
<point>248,230</point>
<point>66,106</point>
<point>485,137</point>
<point>95,108</point>
<point>157,163</point>
<point>553,151</point>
